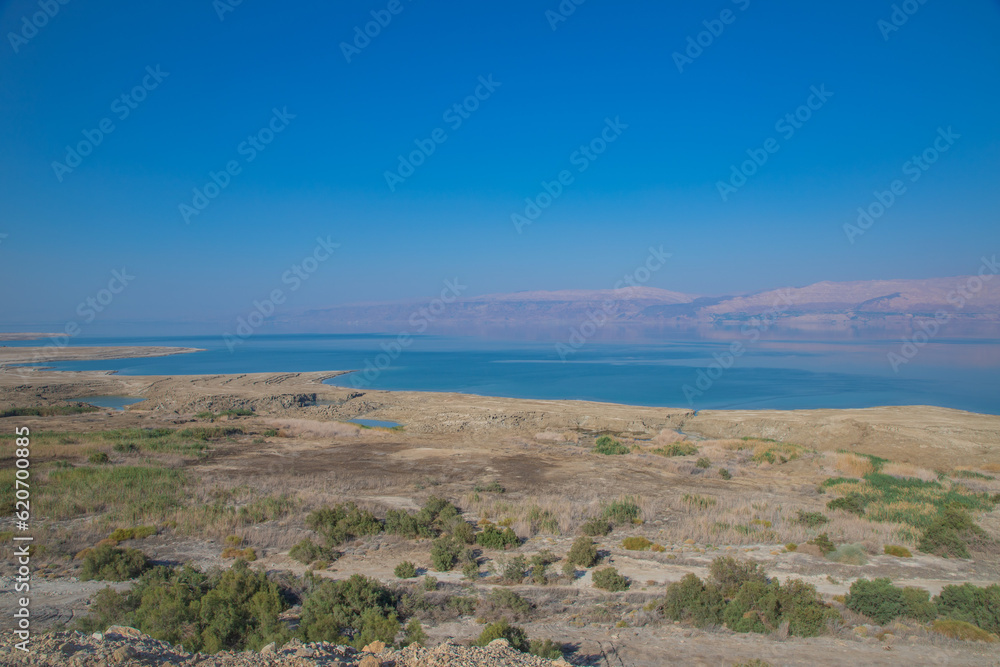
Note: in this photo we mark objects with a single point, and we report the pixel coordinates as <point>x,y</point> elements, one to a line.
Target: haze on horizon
<point>302,137</point>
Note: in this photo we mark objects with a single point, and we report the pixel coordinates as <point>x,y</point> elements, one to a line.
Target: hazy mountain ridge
<point>824,304</point>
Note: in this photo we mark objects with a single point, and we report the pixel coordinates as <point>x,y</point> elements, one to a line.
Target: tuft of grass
<point>636,543</point>
<point>849,554</point>
<point>699,502</point>
<point>897,551</point>
<point>962,630</point>
<point>609,447</point>
<point>676,449</point>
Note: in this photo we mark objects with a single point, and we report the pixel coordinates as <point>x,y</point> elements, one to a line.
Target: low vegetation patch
<point>405,570</point>
<point>882,602</point>
<point>48,410</point>
<point>583,552</point>
<point>676,449</point>
<point>897,551</point>
<point>609,579</point>
<point>961,630</point>
<point>609,446</point>
<point>742,597</point>
<point>636,543</point>
<point>109,563</point>
<point>622,511</point>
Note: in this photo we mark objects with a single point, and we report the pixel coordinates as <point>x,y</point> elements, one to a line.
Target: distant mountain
<point>824,305</point>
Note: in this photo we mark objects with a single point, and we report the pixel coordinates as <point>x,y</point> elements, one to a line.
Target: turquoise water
<point>784,374</point>
<point>113,402</point>
<point>374,423</point>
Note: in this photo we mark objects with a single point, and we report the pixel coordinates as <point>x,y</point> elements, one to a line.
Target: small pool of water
<point>113,402</point>
<point>374,423</point>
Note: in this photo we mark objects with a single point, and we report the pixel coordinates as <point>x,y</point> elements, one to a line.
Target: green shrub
<point>405,570</point>
<point>897,551</point>
<point>596,527</point>
<point>511,570</point>
<point>961,630</point>
<point>824,543</point>
<point>343,522</point>
<point>504,603</point>
<point>725,474</point>
<point>852,502</point>
<point>444,553</point>
<point>972,604</point>
<point>429,583</point>
<point>493,537</point>
<point>353,611</point>
<point>811,519</point>
<point>609,446</point>
<point>622,511</point>
<point>636,543</point>
<point>791,546</point>
<point>849,554</point>
<point>676,449</point>
<point>950,532</point>
<point>504,630</point>
<point>583,552</point>
<point>877,599</point>
<point>692,600</point>
<point>546,649</point>
<point>108,563</point>
<point>917,604</point>
<point>610,580</point>
<point>703,462</point>
<point>136,533</point>
<point>306,551</point>
<point>491,487</point>
<point>98,458</point>
<point>729,574</point>
<point>414,633</point>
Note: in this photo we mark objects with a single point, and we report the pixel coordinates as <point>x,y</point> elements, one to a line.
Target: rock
<point>270,648</point>
<point>124,653</point>
<point>499,642</point>
<point>375,647</point>
<point>307,652</point>
<point>124,631</point>
<point>98,636</point>
<point>370,661</point>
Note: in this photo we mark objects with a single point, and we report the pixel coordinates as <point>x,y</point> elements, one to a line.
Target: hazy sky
<point>310,127</point>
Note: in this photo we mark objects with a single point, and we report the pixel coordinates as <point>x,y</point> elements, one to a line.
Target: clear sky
<point>200,79</point>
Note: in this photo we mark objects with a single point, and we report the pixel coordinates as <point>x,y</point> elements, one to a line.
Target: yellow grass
<point>853,465</point>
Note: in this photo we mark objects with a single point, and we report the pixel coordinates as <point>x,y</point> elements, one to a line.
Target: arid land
<point>286,446</point>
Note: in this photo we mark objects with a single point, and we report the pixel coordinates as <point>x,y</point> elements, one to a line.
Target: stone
<point>124,631</point>
<point>375,647</point>
<point>123,653</point>
<point>270,648</point>
<point>370,661</point>
<point>98,636</point>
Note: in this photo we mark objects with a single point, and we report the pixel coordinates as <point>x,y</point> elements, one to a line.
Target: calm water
<point>113,402</point>
<point>784,374</point>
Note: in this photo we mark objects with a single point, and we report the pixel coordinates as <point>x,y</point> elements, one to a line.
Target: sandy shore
<point>914,434</point>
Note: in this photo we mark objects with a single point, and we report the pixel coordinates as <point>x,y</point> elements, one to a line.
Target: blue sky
<point>324,173</point>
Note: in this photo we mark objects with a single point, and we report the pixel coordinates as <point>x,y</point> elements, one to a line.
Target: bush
<point>849,554</point>
<point>343,522</point>
<point>99,458</point>
<point>595,527</point>
<point>950,532</point>
<point>354,611</point>
<point>791,546</point>
<point>137,533</point>
<point>444,553</point>
<point>897,551</point>
<point>109,563</point>
<point>811,519</point>
<point>504,603</point>
<point>492,487</point>
<point>740,595</point>
<point>852,502</point>
<point>877,599</point>
<point>471,570</point>
<point>492,537</point>
<point>546,649</point>
<point>676,449</point>
<point>306,551</point>
<point>725,474</point>
<point>583,552</point>
<point>609,446</point>
<point>414,633</point>
<point>622,511</point>
<point>610,580</point>
<point>636,543</point>
<point>405,570</point>
<point>917,604</point>
<point>429,583</point>
<point>961,630</point>
<point>972,604</point>
<point>504,630</point>
<point>511,570</point>
<point>823,542</point>
<point>703,462</point>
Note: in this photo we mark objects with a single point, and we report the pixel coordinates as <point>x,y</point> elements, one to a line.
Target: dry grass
<point>852,465</point>
<point>909,470</point>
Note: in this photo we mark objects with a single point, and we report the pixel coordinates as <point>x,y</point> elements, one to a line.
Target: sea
<point>691,372</point>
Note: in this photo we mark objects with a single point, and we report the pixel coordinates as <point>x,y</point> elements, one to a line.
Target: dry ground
<point>297,445</point>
